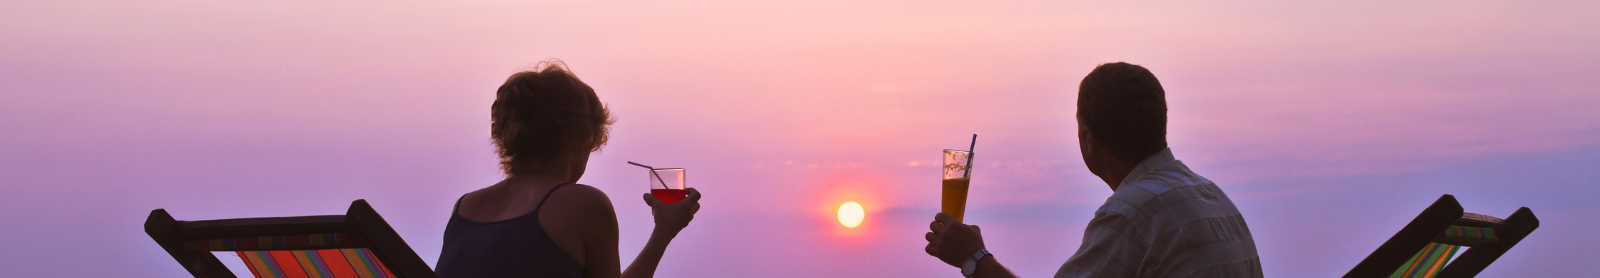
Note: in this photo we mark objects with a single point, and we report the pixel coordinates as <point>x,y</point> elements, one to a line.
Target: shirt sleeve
<point>1109,249</point>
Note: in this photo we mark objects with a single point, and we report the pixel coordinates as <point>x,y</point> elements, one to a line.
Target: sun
<point>851,214</point>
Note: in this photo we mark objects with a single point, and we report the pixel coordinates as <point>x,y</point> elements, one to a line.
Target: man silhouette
<point>1162,219</point>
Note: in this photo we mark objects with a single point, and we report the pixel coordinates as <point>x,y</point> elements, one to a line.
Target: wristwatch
<point>971,265</point>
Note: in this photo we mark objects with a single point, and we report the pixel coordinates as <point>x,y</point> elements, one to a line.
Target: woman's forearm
<point>644,266</point>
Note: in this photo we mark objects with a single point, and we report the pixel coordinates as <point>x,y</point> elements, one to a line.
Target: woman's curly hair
<point>542,119</point>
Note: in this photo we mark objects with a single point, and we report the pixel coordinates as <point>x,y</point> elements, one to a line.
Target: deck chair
<point>1424,248</point>
<point>358,244</point>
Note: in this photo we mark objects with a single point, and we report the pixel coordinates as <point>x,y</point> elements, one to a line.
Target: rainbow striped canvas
<point>1428,262</point>
<point>1467,235</point>
<point>322,263</point>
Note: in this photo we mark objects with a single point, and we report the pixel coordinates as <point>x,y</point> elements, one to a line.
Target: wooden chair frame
<point>366,228</point>
<point>1434,220</point>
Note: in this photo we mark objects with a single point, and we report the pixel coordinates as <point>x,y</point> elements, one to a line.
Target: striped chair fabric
<point>1432,259</point>
<point>299,256</point>
<point>322,263</point>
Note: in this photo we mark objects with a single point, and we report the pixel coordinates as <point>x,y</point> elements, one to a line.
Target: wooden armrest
<point>1478,220</point>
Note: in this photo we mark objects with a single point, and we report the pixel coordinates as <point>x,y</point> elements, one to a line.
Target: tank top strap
<point>456,210</point>
<point>546,198</point>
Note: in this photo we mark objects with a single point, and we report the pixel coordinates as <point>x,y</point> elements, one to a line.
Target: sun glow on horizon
<point>851,214</point>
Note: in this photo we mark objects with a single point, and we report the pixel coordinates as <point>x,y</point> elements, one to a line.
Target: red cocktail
<point>667,184</point>
<point>669,195</point>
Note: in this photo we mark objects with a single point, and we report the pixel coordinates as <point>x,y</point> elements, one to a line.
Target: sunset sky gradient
<point>1330,125</point>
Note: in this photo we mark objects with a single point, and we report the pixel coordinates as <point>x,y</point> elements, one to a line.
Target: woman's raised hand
<point>673,217</point>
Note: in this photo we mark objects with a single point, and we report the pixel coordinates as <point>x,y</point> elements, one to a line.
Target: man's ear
<point>1087,139</point>
<point>1090,146</point>
<point>1089,150</point>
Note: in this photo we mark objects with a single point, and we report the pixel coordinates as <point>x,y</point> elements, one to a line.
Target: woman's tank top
<point>516,247</point>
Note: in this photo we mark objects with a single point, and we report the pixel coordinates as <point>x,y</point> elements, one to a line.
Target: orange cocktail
<point>953,192</point>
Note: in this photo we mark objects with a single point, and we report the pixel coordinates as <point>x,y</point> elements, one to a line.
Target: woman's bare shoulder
<point>585,193</point>
<point>585,200</point>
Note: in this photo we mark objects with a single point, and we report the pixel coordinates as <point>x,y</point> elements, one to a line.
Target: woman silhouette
<point>538,222</point>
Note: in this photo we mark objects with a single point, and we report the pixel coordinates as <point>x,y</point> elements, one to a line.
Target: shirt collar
<point>1157,160</point>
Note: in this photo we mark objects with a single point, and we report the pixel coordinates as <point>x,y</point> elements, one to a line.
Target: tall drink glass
<point>956,181</point>
<point>666,184</point>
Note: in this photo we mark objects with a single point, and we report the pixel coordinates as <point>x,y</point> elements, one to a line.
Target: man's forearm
<point>991,268</point>
<point>649,257</point>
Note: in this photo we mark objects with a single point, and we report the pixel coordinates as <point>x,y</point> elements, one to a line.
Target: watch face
<point>971,264</point>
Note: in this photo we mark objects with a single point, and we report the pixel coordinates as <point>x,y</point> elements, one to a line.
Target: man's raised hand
<point>952,241</point>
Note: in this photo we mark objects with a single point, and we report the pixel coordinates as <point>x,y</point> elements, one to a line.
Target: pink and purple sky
<point>1330,125</point>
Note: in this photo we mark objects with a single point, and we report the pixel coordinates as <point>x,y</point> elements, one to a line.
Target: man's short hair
<point>1125,109</point>
<point>541,118</point>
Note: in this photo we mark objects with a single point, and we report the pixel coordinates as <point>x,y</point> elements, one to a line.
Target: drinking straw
<point>664,182</point>
<point>969,155</point>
